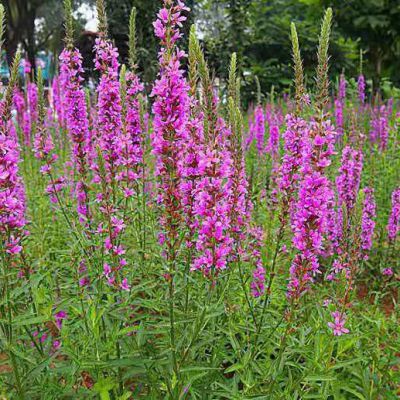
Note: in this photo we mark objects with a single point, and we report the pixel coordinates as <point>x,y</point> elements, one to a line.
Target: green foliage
<point>118,347</point>
<point>375,24</point>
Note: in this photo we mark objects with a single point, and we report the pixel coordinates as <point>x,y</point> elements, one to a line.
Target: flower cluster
<point>132,139</point>
<point>213,206</point>
<point>57,100</point>
<point>109,122</point>
<point>348,181</point>
<point>171,111</point>
<point>361,88</point>
<point>190,167</point>
<point>295,136</point>
<point>12,195</point>
<point>393,226</point>
<point>311,216</point>
<point>379,132</point>
<point>367,221</point>
<point>77,124</point>
<point>259,128</point>
<point>110,145</point>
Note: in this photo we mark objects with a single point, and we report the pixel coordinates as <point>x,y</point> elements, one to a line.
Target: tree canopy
<point>257,30</point>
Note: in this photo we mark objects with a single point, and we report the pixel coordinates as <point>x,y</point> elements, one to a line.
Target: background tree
<point>35,25</point>
<point>376,25</point>
<point>257,30</point>
<point>261,30</point>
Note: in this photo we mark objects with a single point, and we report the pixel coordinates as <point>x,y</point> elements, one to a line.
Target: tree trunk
<point>30,44</point>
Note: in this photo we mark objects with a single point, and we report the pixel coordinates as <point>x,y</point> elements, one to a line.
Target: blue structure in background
<point>43,60</point>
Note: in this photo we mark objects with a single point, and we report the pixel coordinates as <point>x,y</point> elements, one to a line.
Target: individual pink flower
<point>59,317</point>
<point>337,326</point>
<point>387,272</point>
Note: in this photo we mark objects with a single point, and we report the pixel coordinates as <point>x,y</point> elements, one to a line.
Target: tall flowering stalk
<point>109,154</point>
<point>347,184</point>
<point>258,126</point>
<point>30,113</point>
<point>19,104</point>
<point>32,97</point>
<point>340,103</point>
<point>194,146</point>
<point>353,241</point>
<point>58,100</point>
<point>43,146</point>
<point>213,191</point>
<point>309,227</point>
<point>12,193</point>
<point>240,212</point>
<point>342,87</point>
<point>315,194</point>
<point>356,244</point>
<point>348,181</point>
<point>76,116</point>
<point>393,226</point>
<point>109,123</point>
<point>361,82</point>
<point>295,138</point>
<point>246,239</point>
<point>298,70</point>
<point>379,132</point>
<point>132,139</point>
<point>361,88</point>
<point>171,110</point>
<point>12,214</point>
<point>367,221</point>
